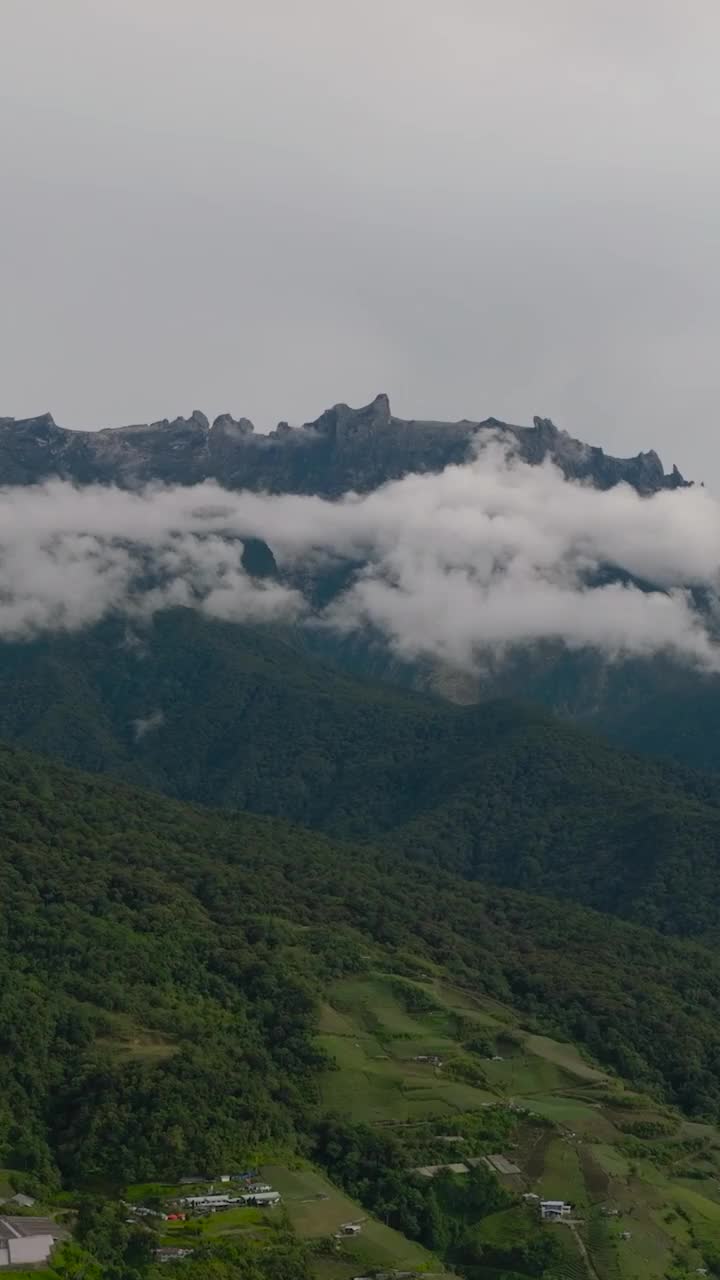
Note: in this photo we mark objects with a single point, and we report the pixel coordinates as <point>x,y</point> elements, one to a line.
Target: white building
<point>551,1210</point>
<point>212,1202</point>
<point>28,1242</point>
<point>263,1197</point>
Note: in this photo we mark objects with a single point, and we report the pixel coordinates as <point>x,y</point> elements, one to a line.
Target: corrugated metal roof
<point>12,1228</point>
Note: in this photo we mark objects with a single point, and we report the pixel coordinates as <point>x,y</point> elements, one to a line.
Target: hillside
<point>216,714</point>
<point>184,990</point>
<point>155,945</point>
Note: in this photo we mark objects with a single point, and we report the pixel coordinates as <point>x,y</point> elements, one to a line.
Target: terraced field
<point>644,1208</point>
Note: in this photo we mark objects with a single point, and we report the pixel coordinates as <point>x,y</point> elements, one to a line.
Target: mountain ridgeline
<point>344,449</point>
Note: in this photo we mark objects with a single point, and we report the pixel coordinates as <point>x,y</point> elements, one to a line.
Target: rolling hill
<point>215,714</point>
<point>147,946</point>
<point>192,990</point>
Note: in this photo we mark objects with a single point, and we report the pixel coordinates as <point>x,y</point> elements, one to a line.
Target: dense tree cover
<point>284,1259</point>
<point>496,792</point>
<point>159,968</point>
<point>443,1212</point>
<point>374,1168</point>
<point>656,705</point>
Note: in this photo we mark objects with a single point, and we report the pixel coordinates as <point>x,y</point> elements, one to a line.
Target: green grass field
<point>375,1042</point>
<point>525,1075</point>
<point>562,1177</point>
<point>565,1056</point>
<point>130,1042</point>
<point>316,1208</point>
<point>32,1273</point>
<point>509,1227</point>
<point>581,1118</point>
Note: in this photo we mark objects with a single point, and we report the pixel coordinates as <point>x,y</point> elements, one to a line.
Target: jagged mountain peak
<point>343,449</point>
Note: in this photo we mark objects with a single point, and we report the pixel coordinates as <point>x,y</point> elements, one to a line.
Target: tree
<point>72,1262</point>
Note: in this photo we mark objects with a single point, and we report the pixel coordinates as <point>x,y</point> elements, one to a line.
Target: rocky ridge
<point>341,450</point>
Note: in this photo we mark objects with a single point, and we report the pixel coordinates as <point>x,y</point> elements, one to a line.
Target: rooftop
<point>12,1228</point>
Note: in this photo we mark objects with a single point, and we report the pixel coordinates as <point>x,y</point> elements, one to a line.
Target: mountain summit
<point>341,450</point>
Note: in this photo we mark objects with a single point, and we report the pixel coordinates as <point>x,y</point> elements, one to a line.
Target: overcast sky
<point>265,206</point>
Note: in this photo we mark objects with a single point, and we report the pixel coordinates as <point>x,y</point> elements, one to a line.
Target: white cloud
<point>457,565</point>
<point>146,724</point>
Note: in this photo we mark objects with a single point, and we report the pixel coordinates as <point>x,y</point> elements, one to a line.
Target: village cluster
<point>246,1191</point>
<point>242,1190</point>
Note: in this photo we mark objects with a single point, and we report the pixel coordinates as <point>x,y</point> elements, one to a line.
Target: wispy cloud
<point>473,560</point>
<point>145,724</point>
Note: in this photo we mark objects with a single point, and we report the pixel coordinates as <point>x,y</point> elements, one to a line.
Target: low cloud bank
<point>474,560</point>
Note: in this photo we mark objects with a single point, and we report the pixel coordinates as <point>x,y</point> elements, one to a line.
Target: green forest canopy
<point>205,939</point>
<point>497,792</point>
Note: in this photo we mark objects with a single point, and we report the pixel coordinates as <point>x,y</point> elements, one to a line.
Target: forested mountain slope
<point>160,966</point>
<point>217,714</point>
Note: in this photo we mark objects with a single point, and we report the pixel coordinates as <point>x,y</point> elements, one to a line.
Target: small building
<point>211,1201</point>
<point>432,1170</point>
<point>351,1229</point>
<point>22,1201</point>
<point>263,1198</point>
<point>552,1210</point>
<point>28,1242</point>
<point>530,1195</point>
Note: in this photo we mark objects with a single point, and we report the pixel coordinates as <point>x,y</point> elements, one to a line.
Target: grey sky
<point>479,206</point>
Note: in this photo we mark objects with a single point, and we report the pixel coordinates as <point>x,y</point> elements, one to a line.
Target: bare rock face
<point>344,449</point>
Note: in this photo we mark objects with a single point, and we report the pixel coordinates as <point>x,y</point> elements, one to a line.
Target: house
<point>215,1201</point>
<point>27,1242</point>
<point>552,1210</point>
<point>431,1170</point>
<point>263,1198</point>
<point>211,1202</point>
<point>22,1201</point>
